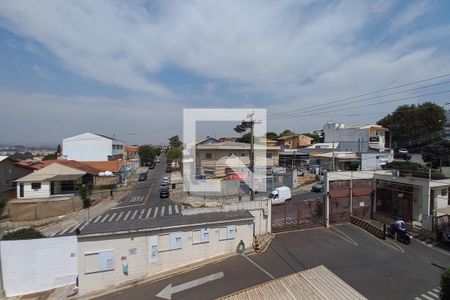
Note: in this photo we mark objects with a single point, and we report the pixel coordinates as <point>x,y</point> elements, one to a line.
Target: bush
<point>2,204</point>
<point>445,284</point>
<point>23,234</point>
<point>85,194</point>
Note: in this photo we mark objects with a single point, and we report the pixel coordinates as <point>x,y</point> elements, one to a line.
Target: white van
<point>280,195</point>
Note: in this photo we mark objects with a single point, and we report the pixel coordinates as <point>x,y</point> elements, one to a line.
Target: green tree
<point>50,156</point>
<point>23,234</point>
<point>85,194</point>
<point>174,154</point>
<point>146,154</point>
<point>58,150</point>
<point>158,151</point>
<point>413,124</point>
<point>445,284</point>
<point>246,138</point>
<point>175,142</point>
<point>287,132</point>
<point>271,135</point>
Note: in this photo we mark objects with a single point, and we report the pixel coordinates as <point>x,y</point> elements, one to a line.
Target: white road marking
<point>126,216</point>
<point>258,266</point>
<point>167,292</point>
<point>120,215</point>
<point>433,294</point>
<point>436,290</point>
<point>103,220</point>
<point>156,212</point>
<point>426,297</point>
<point>96,220</point>
<point>134,214</point>
<point>64,231</point>
<point>163,209</point>
<point>142,213</point>
<point>75,227</point>
<point>53,234</point>
<point>170,210</point>
<point>126,206</point>
<point>148,213</point>
<point>112,217</point>
<point>176,209</point>
<point>85,224</point>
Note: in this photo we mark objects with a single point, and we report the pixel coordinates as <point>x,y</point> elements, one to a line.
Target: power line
<point>366,94</point>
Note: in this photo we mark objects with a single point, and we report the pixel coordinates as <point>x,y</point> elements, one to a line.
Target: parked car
<point>402,153</point>
<point>152,165</point>
<point>164,193</point>
<point>165,179</point>
<point>164,185</point>
<point>280,195</point>
<point>142,177</point>
<point>168,169</point>
<point>317,187</point>
<point>157,160</point>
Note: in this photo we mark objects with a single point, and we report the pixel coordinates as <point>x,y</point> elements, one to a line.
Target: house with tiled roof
<point>10,170</point>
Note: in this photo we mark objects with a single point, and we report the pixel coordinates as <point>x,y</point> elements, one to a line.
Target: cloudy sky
<point>130,67</point>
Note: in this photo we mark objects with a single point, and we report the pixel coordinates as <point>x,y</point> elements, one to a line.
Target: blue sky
<point>129,68</point>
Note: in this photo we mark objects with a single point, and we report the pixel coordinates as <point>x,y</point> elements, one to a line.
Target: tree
<point>23,156</point>
<point>445,284</point>
<point>58,150</point>
<point>175,142</point>
<point>415,125</point>
<point>23,234</point>
<point>438,154</point>
<point>50,156</point>
<point>173,154</point>
<point>246,138</point>
<point>287,132</point>
<point>146,154</point>
<point>271,135</point>
<point>85,194</point>
<point>158,151</point>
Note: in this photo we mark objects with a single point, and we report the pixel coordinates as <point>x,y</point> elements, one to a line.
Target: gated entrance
<point>361,198</point>
<point>299,215</point>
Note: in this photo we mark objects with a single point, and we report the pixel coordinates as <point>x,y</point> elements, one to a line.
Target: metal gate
<point>299,215</point>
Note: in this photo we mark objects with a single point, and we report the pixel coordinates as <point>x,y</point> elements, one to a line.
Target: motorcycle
<point>401,237</point>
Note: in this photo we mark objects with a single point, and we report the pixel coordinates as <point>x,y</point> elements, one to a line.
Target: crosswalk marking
<point>148,213</point>
<point>426,297</point>
<point>53,234</point>
<point>112,217</point>
<point>120,215</point>
<point>64,231</point>
<point>156,212</point>
<point>85,224</point>
<point>98,218</point>
<point>142,213</point>
<point>170,209</point>
<point>436,290</point>
<point>104,218</point>
<point>433,294</point>
<point>163,209</point>
<point>74,227</point>
<point>126,216</point>
<point>176,209</point>
<point>134,214</point>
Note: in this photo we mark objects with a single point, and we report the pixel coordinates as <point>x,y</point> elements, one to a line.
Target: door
<point>21,190</point>
<point>52,188</point>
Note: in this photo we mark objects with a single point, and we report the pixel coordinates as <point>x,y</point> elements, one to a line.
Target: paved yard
<point>377,269</point>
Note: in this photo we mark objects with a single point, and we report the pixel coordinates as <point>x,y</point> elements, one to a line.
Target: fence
<point>441,223</point>
<point>300,215</point>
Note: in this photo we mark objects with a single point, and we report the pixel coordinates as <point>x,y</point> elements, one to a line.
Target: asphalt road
<point>377,269</point>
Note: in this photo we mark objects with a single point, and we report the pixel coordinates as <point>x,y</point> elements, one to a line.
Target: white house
<point>92,147</point>
<point>355,138</point>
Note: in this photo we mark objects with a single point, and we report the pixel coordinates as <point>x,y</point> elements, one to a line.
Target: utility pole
<point>252,155</point>
<point>332,167</point>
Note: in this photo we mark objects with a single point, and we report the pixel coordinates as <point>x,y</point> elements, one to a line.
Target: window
<point>269,154</point>
<point>169,241</point>
<point>99,261</point>
<point>208,155</point>
<point>227,233</point>
<point>200,236</point>
<point>444,192</point>
<point>35,185</point>
<point>232,154</point>
<point>208,173</point>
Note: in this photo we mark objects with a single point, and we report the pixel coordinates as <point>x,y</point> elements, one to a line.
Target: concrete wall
<point>333,133</point>
<point>30,266</point>
<point>370,162</point>
<point>135,251</point>
<point>29,193</point>
<point>88,147</point>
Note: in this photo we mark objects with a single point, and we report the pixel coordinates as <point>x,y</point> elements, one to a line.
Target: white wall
<point>369,161</point>
<point>88,147</point>
<point>333,133</point>
<point>134,249</point>
<point>28,192</point>
<point>30,266</point>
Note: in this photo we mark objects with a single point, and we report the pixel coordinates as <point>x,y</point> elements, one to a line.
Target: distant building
<point>355,138</point>
<point>295,141</point>
<point>10,170</point>
<point>92,147</point>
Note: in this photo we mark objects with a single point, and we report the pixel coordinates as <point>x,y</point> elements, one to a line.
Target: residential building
<point>211,158</point>
<point>92,147</point>
<point>355,138</point>
<point>229,139</point>
<point>268,142</point>
<point>10,170</point>
<point>295,141</point>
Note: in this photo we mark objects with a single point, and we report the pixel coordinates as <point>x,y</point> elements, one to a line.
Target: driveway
<point>377,269</point>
